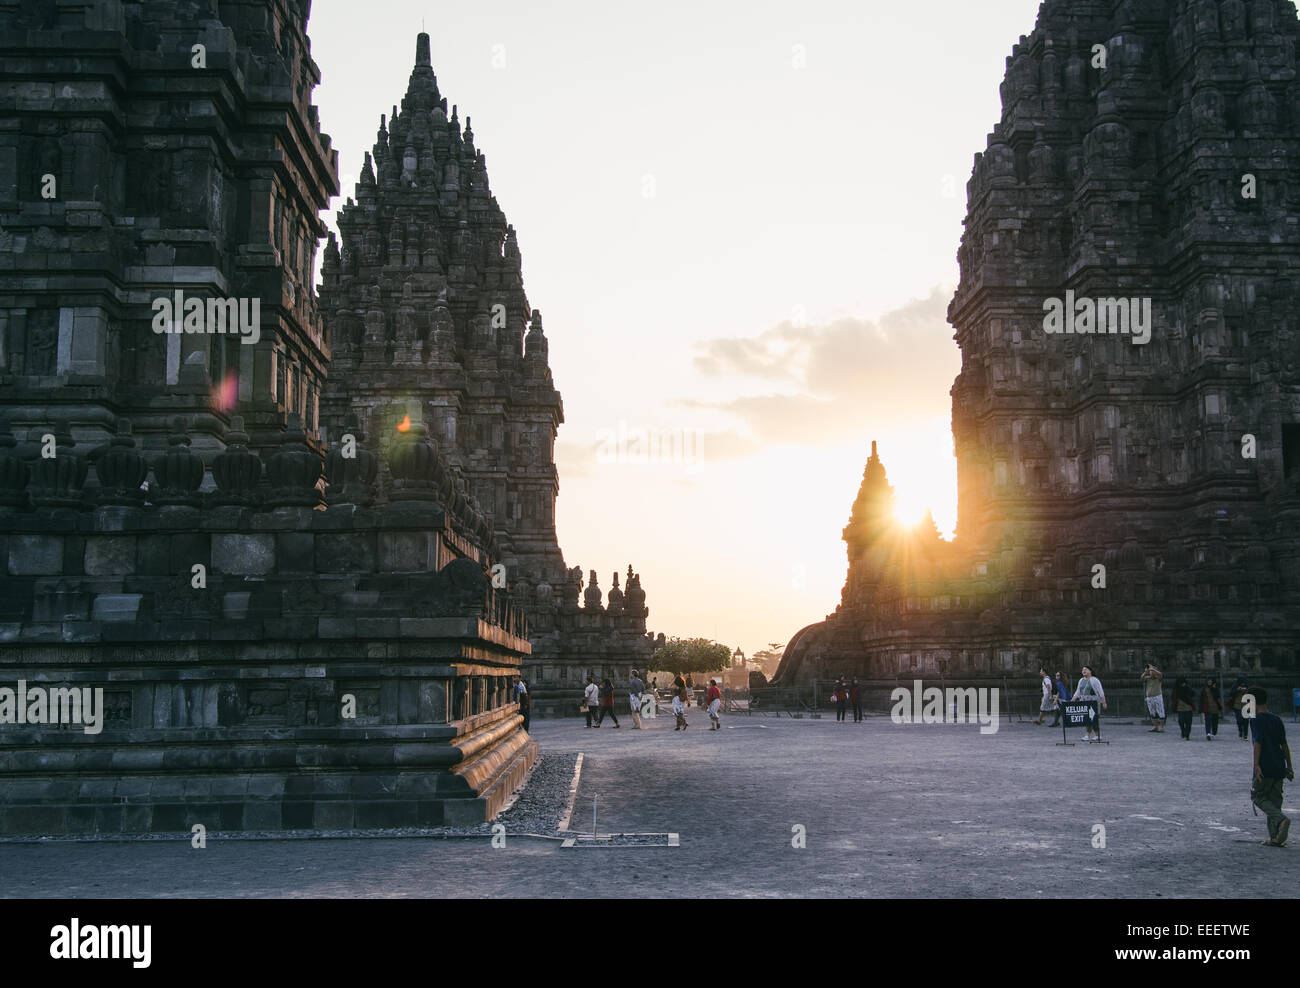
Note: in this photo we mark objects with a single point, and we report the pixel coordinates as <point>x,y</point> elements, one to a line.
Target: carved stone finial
<point>294,469</point>
<point>237,469</point>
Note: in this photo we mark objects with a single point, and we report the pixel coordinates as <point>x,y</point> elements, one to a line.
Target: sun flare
<point>909,513</point>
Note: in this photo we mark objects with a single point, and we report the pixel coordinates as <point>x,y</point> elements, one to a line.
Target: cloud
<point>842,376</point>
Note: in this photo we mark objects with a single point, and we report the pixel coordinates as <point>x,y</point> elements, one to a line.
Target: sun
<point>908,514</point>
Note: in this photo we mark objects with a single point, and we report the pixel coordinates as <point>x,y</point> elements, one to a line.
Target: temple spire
<point>422,56</point>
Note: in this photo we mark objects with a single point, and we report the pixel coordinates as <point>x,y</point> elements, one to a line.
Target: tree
<point>681,656</point>
<point>765,660</point>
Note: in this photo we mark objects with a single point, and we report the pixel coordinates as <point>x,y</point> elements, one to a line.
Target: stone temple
<point>287,597</point>
<point>1147,150</point>
<point>426,319</point>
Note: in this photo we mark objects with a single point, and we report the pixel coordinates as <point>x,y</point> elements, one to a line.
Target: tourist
<point>607,702</point>
<point>523,699</point>
<point>841,696</point>
<point>591,700</point>
<point>634,690</point>
<point>855,698</point>
<point>1235,704</point>
<point>1090,689</point>
<point>1062,694</point>
<point>1155,681</point>
<point>1184,706</point>
<point>1049,696</point>
<point>1211,707</point>
<point>690,690</point>
<point>679,701</point>
<point>715,703</point>
<point>1272,766</point>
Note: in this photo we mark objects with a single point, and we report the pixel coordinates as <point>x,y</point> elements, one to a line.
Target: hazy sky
<point>739,219</point>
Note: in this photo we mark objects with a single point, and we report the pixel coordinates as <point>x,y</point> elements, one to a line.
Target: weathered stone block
<point>262,815</point>
<point>404,552</point>
<point>35,555</point>
<point>337,815</point>
<point>295,552</point>
<point>352,553</point>
<point>186,549</point>
<point>117,607</point>
<point>112,555</point>
<point>243,555</point>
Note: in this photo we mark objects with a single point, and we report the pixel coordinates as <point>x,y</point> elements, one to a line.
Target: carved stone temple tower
<point>427,321</point>
<point>273,649</point>
<point>1147,150</point>
<point>158,148</point>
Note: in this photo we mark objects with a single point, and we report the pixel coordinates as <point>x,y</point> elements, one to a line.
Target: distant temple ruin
<point>1119,501</point>
<point>426,319</point>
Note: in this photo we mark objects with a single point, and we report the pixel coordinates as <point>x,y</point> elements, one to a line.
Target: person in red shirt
<point>841,700</point>
<point>715,702</point>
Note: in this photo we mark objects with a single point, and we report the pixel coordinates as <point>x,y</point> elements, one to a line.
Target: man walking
<point>715,703</point>
<point>635,689</point>
<point>1272,766</point>
<point>1155,681</point>
<point>855,697</point>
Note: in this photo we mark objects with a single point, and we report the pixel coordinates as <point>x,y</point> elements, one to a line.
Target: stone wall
<point>266,661</point>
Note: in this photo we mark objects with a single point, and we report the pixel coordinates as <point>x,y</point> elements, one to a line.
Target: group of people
<point>598,700</point>
<point>1187,703</point>
<point>1057,691</point>
<point>1272,756</point>
<point>845,694</point>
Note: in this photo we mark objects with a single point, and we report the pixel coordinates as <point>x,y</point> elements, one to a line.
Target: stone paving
<point>888,810</point>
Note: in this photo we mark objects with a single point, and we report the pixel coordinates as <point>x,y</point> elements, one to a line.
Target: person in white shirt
<point>591,699</point>
<point>1090,689</point>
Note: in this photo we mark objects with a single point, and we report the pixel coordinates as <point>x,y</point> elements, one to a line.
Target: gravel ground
<point>773,807</point>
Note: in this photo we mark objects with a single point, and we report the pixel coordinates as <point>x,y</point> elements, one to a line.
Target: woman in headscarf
<point>1184,706</point>
<point>1211,707</point>
<point>841,696</point>
<point>607,702</point>
<point>679,702</point>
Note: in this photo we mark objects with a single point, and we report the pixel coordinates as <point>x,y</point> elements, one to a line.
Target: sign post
<point>1078,713</point>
